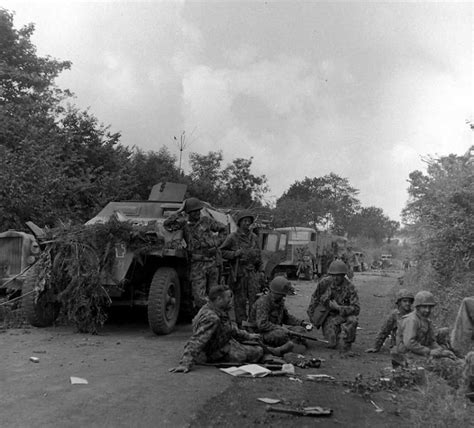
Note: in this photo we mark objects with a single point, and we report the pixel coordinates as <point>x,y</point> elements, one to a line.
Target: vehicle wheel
<point>164,300</point>
<point>41,310</point>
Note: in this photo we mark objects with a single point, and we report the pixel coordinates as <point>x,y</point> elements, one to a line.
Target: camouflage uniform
<point>215,339</point>
<point>268,317</point>
<point>346,319</point>
<point>244,280</point>
<point>202,239</point>
<point>389,328</point>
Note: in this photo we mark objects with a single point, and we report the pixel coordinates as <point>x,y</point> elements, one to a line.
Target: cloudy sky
<point>364,90</point>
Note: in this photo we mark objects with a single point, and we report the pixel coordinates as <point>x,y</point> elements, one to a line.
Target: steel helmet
<point>280,285</point>
<point>424,298</point>
<point>243,214</point>
<point>405,294</point>
<point>192,204</point>
<point>338,267</point>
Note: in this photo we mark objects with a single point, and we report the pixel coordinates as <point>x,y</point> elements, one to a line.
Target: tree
<point>206,176</point>
<point>441,207</point>
<point>329,202</point>
<point>372,223</point>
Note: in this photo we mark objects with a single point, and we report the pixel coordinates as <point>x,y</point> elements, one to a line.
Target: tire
<point>45,310</point>
<point>164,299</point>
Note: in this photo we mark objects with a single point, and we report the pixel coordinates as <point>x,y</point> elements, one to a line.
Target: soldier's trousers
<point>203,276</point>
<point>245,291</point>
<point>335,325</point>
<point>278,336</point>
<point>462,335</point>
<point>237,352</point>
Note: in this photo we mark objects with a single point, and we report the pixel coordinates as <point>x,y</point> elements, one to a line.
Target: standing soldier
<point>203,236</point>
<point>335,306</point>
<point>389,328</point>
<point>241,249</point>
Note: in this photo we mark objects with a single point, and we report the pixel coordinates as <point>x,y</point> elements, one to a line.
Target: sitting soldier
<point>389,327</point>
<point>335,306</point>
<point>416,334</point>
<point>215,338</point>
<point>269,315</point>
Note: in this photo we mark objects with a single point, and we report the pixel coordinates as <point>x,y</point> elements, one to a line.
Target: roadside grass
<point>439,405</point>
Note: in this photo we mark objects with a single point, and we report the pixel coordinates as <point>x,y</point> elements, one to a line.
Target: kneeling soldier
<point>269,315</point>
<point>215,338</point>
<point>335,306</point>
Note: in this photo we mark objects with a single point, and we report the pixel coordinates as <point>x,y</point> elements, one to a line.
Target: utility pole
<point>181,146</point>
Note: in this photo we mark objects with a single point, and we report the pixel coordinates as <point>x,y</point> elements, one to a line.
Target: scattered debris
<point>34,359</point>
<point>39,352</point>
<point>320,377</point>
<point>269,400</point>
<point>305,411</point>
<point>288,368</point>
<point>295,379</point>
<point>378,409</point>
<point>78,381</point>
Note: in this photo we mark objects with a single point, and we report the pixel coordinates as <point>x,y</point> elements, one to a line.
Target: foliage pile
<point>80,257</point>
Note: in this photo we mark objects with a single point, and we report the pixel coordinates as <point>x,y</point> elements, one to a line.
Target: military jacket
<point>389,327</point>
<point>416,334</point>
<point>250,258</point>
<point>268,315</point>
<point>344,295</point>
<point>202,237</point>
<point>212,331</point>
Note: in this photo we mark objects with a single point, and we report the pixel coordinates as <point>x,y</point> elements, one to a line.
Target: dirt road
<point>129,383</point>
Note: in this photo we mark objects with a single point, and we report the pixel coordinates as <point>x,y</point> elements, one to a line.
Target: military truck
<point>285,248</point>
<point>159,279</point>
<point>18,252</point>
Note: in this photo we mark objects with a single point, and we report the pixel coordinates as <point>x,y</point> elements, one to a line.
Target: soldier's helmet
<point>424,298</point>
<point>280,285</point>
<point>243,214</point>
<point>338,267</point>
<point>405,294</point>
<point>192,204</point>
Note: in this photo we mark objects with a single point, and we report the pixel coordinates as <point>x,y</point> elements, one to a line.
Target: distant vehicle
<point>292,251</point>
<point>386,260</point>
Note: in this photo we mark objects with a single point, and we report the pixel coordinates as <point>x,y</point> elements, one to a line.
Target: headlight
<point>35,248</point>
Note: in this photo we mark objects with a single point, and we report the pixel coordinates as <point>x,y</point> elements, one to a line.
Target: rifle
<point>306,337</point>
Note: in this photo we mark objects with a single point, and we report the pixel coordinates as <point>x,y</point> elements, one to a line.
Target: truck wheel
<point>164,299</point>
<point>41,310</point>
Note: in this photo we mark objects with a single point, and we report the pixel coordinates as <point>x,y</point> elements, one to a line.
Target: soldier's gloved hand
<point>372,350</point>
<point>334,305</point>
<point>180,369</point>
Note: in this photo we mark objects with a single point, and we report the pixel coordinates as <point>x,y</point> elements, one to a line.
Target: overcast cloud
<point>360,89</point>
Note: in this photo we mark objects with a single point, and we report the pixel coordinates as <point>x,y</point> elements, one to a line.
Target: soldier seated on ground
<point>335,306</point>
<point>269,316</point>
<point>416,334</point>
<point>404,304</point>
<point>215,338</point>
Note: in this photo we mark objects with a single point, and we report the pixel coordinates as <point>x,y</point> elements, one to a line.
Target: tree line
<point>60,163</point>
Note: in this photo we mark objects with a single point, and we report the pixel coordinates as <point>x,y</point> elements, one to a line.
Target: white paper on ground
<point>253,370</point>
<point>269,400</point>
<point>78,381</point>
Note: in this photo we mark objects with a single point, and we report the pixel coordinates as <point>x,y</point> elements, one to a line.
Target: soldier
<point>335,306</point>
<point>203,236</point>
<point>416,334</point>
<point>389,328</point>
<point>241,249</point>
<point>215,338</point>
<point>269,315</point>
<point>462,335</point>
